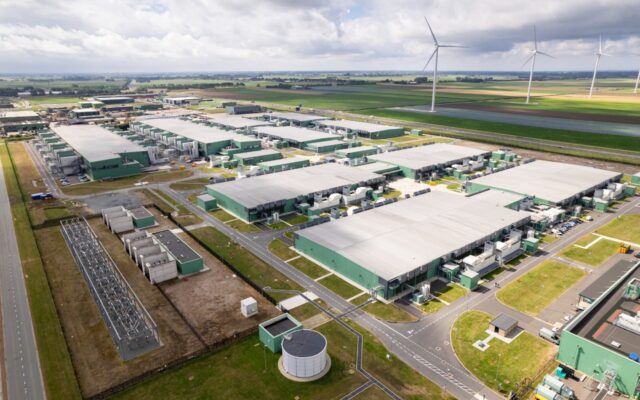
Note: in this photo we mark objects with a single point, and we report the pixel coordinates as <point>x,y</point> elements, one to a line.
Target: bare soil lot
<point>95,358</point>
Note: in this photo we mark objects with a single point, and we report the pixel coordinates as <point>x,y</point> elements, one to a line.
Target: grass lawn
<point>82,189</point>
<point>56,212</point>
<point>625,227</point>
<point>511,363</point>
<point>242,226</point>
<point>594,255</point>
<point>451,293</point>
<point>306,311</point>
<point>548,239</point>
<point>308,267</point>
<point>360,299</point>
<point>251,266</point>
<point>296,219</point>
<point>432,306</point>
<point>183,216</point>
<point>339,286</point>
<point>535,290</point>
<point>289,235</point>
<point>389,312</point>
<point>277,225</point>
<point>372,393</point>
<point>492,275</point>
<point>454,186</point>
<point>392,194</point>
<point>222,215</point>
<point>281,250</point>
<point>55,361</point>
<point>190,184</point>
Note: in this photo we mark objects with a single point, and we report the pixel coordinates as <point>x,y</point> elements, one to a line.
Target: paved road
<point>24,380</point>
<point>604,128</point>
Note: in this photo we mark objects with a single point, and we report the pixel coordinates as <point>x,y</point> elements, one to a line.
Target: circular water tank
<point>304,355</point>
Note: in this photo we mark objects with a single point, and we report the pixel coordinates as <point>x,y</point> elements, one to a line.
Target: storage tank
<point>304,355</point>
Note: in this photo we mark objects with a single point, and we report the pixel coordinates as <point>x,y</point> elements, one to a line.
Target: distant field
<point>583,138</point>
<point>62,84</point>
<point>52,100</point>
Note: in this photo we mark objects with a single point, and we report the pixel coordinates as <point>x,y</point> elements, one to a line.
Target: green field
<point>251,266</point>
<point>502,366</point>
<point>388,312</point>
<point>55,361</point>
<point>451,293</point>
<point>308,267</point>
<point>339,286</point>
<point>582,138</point>
<point>83,189</point>
<point>550,279</point>
<point>625,227</point>
<point>281,250</point>
<point>594,255</point>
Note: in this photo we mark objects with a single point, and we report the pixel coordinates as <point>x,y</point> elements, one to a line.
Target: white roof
<point>295,133</point>
<point>236,121</point>
<point>193,131</point>
<point>428,156</point>
<point>19,114</point>
<point>551,181</point>
<point>395,239</point>
<point>282,161</point>
<point>357,125</point>
<point>95,143</point>
<point>355,149</point>
<point>286,185</point>
<point>332,142</point>
<point>291,116</point>
<point>183,98</point>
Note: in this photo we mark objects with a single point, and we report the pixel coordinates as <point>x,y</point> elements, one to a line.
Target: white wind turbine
<point>435,67</point>
<point>598,54</point>
<point>532,58</point>
<point>635,90</point>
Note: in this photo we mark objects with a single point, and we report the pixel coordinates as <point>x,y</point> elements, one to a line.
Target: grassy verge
<point>625,227</point>
<point>222,215</point>
<point>55,362</point>
<point>432,306</point>
<point>389,312</point>
<point>242,226</point>
<point>392,194</point>
<point>339,286</point>
<point>451,293</point>
<point>296,219</point>
<point>252,267</point>
<point>120,183</point>
<point>306,311</point>
<point>281,250</point>
<point>184,216</point>
<point>502,366</point>
<point>191,184</point>
<point>308,267</point>
<point>551,279</point>
<point>594,255</point>
<point>277,225</point>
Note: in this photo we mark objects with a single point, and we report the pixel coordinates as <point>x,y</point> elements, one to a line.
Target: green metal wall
<point>594,360</point>
<point>190,267</point>
<point>389,133</point>
<point>144,222</point>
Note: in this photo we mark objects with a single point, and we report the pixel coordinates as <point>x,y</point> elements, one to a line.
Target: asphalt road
<point>24,380</point>
<point>604,128</point>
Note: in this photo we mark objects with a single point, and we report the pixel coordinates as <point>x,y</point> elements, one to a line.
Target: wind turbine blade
<point>430,58</point>
<point>431,30</point>
<point>528,59</point>
<point>535,38</point>
<point>453,45</point>
<point>545,54</point>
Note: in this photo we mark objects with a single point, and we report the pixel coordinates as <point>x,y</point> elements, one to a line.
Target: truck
<point>557,386</point>
<point>548,334</point>
<point>42,196</point>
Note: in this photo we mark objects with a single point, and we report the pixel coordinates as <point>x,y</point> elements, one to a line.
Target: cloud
<point>196,35</point>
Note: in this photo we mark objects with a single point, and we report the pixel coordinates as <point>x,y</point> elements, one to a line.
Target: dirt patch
<point>622,119</point>
<point>94,355</point>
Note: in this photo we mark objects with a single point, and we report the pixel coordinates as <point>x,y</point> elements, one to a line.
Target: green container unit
<point>635,179</point>
<point>46,134</point>
<point>498,155</point>
<point>57,145</point>
<point>112,168</point>
<point>187,260</point>
<point>142,218</point>
<point>630,191</point>
<point>357,152</point>
<point>66,152</point>
<point>247,143</point>
<point>600,205</point>
<point>328,146</point>
<point>206,202</point>
<point>272,332</point>
<point>450,270</point>
<point>255,157</point>
<point>284,164</point>
<point>469,279</point>
<point>530,245</point>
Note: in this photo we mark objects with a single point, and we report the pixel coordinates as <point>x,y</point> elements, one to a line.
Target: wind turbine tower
<point>532,58</point>
<point>598,54</point>
<point>435,67</point>
<point>635,90</point>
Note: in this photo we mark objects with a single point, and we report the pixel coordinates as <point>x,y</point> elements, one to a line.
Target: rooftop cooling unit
<point>629,323</point>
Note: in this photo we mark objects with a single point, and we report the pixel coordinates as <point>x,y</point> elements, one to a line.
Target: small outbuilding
<point>504,325</point>
<point>206,202</point>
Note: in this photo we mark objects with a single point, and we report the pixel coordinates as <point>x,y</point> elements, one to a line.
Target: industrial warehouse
<point>293,136</point>
<point>236,122</point>
<point>290,118</point>
<point>418,162</point>
<point>308,190</point>
<point>364,129</point>
<point>603,342</point>
<point>551,183</point>
<point>393,249</point>
<point>196,139</point>
<point>115,157</point>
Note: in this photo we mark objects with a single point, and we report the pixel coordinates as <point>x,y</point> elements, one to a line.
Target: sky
<point>129,36</point>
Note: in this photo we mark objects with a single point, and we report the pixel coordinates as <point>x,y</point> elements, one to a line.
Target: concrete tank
<point>304,355</point>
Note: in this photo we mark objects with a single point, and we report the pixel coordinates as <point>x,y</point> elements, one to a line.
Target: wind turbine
<point>435,67</point>
<point>635,90</point>
<point>532,58</point>
<point>598,54</point>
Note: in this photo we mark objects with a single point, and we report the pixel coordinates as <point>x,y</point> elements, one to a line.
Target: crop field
<point>61,84</point>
